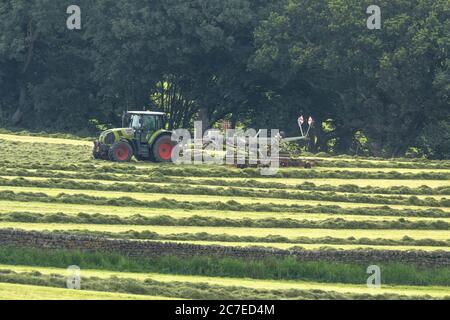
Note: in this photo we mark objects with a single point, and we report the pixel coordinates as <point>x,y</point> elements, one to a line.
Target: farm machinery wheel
<point>120,152</point>
<point>99,155</point>
<point>162,149</point>
<point>99,151</point>
<point>96,154</point>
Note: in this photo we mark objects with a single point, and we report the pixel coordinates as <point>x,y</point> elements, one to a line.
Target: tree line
<point>255,63</point>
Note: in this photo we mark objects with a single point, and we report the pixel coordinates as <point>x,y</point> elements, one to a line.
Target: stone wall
<point>134,248</point>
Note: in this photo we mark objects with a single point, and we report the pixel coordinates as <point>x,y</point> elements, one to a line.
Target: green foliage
<point>436,140</point>
<point>375,83</point>
<point>256,63</point>
<point>46,67</point>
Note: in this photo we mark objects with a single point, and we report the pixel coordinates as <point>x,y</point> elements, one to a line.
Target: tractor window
<point>146,122</point>
<point>153,123</point>
<point>149,123</point>
<point>135,122</point>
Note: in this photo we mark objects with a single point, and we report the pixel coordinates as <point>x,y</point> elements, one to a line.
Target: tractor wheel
<point>162,149</point>
<point>98,153</point>
<point>120,152</point>
<point>100,156</point>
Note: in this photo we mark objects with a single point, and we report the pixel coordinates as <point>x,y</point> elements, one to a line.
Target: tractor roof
<point>152,113</point>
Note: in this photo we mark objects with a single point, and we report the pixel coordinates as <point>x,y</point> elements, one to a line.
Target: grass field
<point>214,198</point>
<point>357,182</point>
<point>53,185</point>
<point>36,139</point>
<point>256,232</point>
<point>433,291</point>
<point>74,209</point>
<point>27,292</point>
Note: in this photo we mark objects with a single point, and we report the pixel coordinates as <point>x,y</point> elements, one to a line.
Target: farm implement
<point>143,135</point>
<point>262,153</point>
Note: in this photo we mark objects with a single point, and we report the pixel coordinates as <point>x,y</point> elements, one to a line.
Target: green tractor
<point>142,135</point>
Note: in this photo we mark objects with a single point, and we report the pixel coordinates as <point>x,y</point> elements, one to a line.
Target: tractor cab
<point>144,120</point>
<point>144,123</point>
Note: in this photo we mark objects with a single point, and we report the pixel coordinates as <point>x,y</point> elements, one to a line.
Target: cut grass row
<point>46,140</point>
<point>205,221</point>
<point>185,189</point>
<point>11,291</point>
<point>56,159</point>
<point>44,134</point>
<point>223,237</point>
<point>261,182</point>
<point>165,203</point>
<point>128,212</point>
<point>238,188</point>
<point>377,170</point>
<point>191,194</point>
<point>289,233</point>
<point>343,162</point>
<point>215,287</point>
<point>292,182</point>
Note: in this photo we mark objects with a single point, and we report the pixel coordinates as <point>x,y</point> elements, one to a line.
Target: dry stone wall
<point>134,248</point>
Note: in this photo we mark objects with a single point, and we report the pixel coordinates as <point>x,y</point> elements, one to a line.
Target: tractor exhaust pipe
<point>124,119</point>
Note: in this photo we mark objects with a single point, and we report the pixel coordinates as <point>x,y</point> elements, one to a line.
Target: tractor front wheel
<point>99,151</point>
<point>162,149</point>
<point>120,152</point>
<point>99,156</point>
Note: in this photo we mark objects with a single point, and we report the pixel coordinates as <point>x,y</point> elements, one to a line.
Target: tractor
<point>143,135</point>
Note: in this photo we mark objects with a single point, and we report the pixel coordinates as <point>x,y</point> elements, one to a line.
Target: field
<point>51,186</point>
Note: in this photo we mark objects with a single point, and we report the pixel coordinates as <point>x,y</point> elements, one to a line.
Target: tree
<point>187,58</point>
<point>256,63</point>
<point>43,65</point>
<point>378,82</point>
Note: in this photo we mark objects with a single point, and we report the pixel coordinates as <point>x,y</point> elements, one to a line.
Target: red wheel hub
<point>165,151</point>
<point>122,153</point>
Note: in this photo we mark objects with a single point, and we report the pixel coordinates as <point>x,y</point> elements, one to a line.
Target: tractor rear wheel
<point>162,149</point>
<point>120,152</point>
